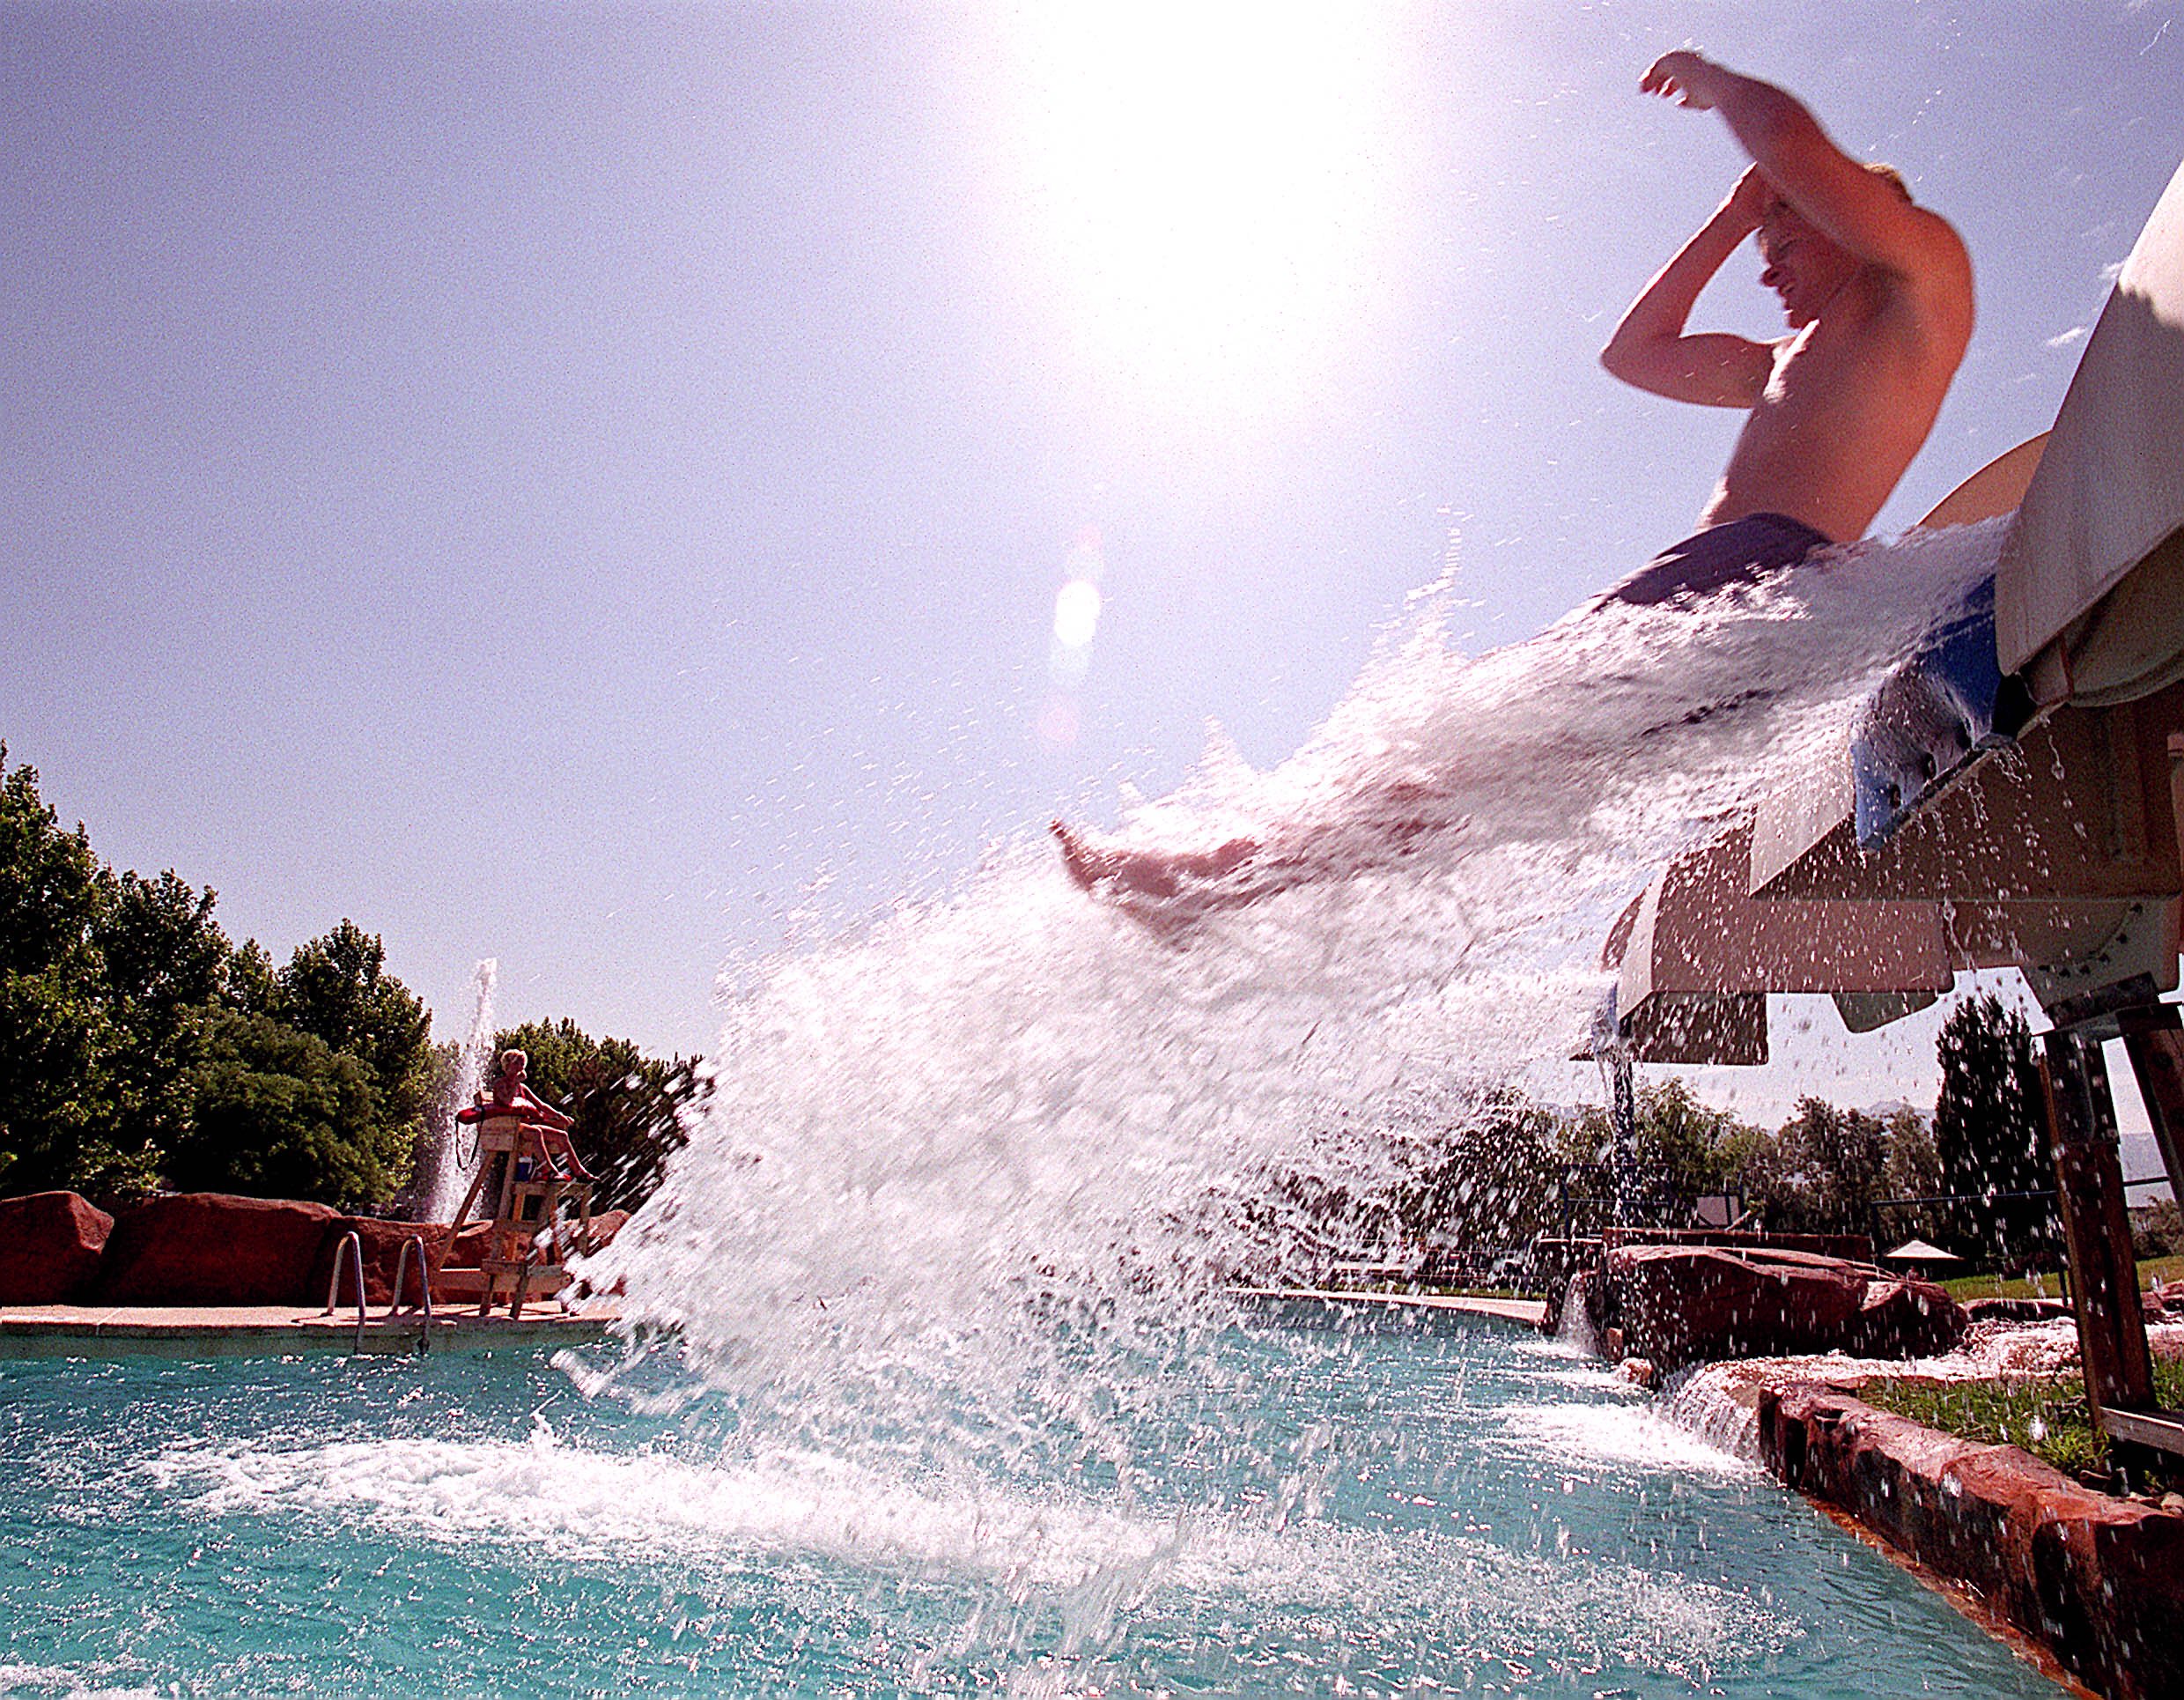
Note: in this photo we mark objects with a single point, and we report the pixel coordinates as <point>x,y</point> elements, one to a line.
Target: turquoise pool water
<point>1458,1511</point>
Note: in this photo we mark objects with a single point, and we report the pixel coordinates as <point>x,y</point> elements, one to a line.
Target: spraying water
<point>455,1156</point>
<point>960,1402</point>
<point>992,1161</point>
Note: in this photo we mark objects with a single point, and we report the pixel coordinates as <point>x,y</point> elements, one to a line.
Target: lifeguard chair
<point>539,1208</point>
<point>532,1202</point>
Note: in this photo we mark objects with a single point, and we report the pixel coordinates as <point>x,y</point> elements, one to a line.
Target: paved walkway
<point>227,1330</point>
<point>1523,1313</point>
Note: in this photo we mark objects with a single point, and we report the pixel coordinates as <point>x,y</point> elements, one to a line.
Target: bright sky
<point>614,488</point>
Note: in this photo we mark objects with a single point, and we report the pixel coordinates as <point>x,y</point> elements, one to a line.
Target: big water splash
<point>976,1181</point>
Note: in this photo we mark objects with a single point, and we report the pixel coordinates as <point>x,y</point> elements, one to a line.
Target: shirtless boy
<point>1878,293</point>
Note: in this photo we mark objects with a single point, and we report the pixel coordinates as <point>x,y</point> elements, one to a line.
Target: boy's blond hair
<point>1890,176</point>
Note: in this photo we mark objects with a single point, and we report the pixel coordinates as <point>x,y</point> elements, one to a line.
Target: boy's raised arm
<point>1853,207</point>
<point>1650,347</point>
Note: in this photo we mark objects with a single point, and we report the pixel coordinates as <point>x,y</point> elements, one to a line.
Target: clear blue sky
<point>589,486</point>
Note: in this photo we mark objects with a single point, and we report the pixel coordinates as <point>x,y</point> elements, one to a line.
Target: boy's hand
<point>1683,77</point>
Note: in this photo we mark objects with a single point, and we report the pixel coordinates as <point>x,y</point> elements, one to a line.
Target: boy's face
<point>1803,267</point>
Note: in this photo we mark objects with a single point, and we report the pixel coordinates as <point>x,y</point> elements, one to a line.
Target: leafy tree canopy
<point>97,973</point>
<point>280,1113</point>
<point>1835,1164</point>
<point>1989,1122</point>
<point>122,1058</point>
<point>1990,1129</point>
<point>338,989</point>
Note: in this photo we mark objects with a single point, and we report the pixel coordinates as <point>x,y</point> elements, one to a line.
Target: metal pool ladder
<point>424,1290</point>
<point>352,1250</point>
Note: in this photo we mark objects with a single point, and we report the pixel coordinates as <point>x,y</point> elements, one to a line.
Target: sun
<point>1210,187</point>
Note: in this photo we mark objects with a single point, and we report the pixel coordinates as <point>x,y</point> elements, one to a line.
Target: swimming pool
<point>1393,1511</point>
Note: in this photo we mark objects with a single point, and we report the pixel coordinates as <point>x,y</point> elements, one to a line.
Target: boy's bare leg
<point>1147,873</point>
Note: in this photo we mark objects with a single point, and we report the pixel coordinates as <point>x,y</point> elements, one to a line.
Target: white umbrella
<point>1917,1251</point>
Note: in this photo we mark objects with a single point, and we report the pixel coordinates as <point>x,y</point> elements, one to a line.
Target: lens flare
<point>1058,722</point>
<point>1076,613</point>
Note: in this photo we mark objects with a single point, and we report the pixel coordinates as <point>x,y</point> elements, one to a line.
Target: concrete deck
<point>277,1330</point>
<point>1518,1312</point>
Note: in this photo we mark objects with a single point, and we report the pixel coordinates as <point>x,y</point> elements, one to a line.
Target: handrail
<point>424,1288</point>
<point>351,1243</point>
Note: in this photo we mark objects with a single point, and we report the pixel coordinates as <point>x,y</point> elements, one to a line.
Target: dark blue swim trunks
<point>1736,553</point>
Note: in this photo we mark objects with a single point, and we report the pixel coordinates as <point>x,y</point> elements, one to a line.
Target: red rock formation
<point>1905,1317</point>
<point>381,1241</point>
<point>211,1248</point>
<point>1678,1305</point>
<point>49,1247</point>
<point>2099,1580</point>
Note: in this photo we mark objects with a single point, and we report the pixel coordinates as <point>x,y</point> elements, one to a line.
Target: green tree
<point>281,1113</point>
<point>2156,1229</point>
<point>336,988</point>
<point>1914,1171</point>
<point>163,961</point>
<point>631,1112</point>
<point>1913,1168</point>
<point>50,1022</point>
<point>1839,1159</point>
<point>1685,1149</point>
<point>67,1091</point>
<point>1485,1176</point>
<point>1990,1132</point>
<point>128,1047</point>
<point>251,985</point>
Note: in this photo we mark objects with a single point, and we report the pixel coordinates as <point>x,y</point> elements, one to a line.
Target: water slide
<point>2008,796</point>
<point>2011,796</point>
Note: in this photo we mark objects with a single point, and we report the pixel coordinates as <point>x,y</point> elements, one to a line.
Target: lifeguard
<point>509,1096</point>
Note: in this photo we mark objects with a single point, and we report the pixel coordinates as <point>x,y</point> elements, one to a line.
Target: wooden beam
<point>2154,1038</point>
<point>2089,1181</point>
<point>2162,1430</point>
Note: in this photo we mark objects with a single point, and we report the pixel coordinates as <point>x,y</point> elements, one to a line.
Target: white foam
<point>980,1110</point>
<point>1094,1559</point>
<point>578,1503</point>
<point>1626,1436</point>
<point>59,1680</point>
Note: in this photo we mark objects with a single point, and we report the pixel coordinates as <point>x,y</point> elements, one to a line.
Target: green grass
<point>1990,1286</point>
<point>2045,1415</point>
<point>2050,1285</point>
